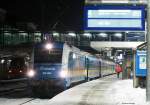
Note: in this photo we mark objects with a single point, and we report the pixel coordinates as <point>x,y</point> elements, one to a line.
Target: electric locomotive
<point>59,66</point>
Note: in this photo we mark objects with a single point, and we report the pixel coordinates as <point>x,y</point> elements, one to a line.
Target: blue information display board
<point>141,63</point>
<point>114,18</point>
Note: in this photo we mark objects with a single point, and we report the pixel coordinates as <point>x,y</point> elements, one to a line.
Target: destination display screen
<point>114,18</point>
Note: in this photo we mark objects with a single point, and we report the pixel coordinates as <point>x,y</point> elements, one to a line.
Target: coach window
<point>70,61</point>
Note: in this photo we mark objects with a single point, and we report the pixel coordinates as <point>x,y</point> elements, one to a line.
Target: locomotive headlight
<point>2,61</point>
<point>48,46</point>
<point>9,71</point>
<point>31,73</point>
<point>63,74</point>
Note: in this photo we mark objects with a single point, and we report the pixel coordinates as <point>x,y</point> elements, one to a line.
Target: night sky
<point>62,15</point>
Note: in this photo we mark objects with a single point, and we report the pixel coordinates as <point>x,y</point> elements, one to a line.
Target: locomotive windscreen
<point>17,62</point>
<point>42,55</point>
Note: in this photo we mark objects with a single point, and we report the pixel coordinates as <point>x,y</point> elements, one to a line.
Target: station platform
<point>108,90</point>
<point>105,91</point>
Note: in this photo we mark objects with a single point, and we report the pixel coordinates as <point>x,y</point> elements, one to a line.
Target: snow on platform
<point>105,91</point>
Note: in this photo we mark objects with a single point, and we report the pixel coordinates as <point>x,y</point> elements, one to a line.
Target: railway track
<point>13,80</point>
<point>12,90</point>
<point>27,101</point>
<point>16,89</point>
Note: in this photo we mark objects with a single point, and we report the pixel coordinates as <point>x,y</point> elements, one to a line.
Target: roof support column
<point>148,53</point>
<point>135,79</point>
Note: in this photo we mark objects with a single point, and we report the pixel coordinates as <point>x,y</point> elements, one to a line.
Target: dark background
<point>46,15</point>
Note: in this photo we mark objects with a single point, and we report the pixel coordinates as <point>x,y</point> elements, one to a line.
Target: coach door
<point>87,67</point>
<point>99,68</point>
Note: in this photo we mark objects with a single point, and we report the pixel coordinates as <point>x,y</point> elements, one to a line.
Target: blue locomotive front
<point>46,73</point>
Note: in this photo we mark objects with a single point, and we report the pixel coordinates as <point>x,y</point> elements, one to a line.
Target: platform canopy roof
<point>99,45</point>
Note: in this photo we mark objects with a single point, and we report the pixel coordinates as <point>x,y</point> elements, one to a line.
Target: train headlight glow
<point>2,61</point>
<point>31,73</point>
<point>9,71</point>
<point>48,46</point>
<point>63,74</point>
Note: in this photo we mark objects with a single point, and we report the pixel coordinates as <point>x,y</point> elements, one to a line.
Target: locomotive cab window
<point>42,55</point>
